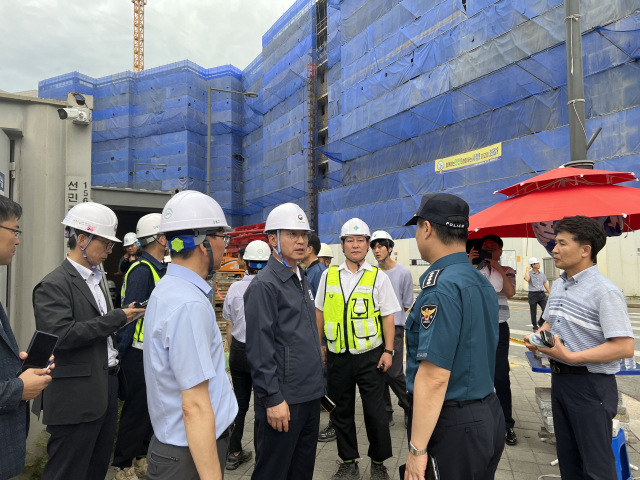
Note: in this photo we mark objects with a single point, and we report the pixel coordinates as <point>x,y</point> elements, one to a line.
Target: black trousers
<point>467,441</point>
<point>135,429</point>
<point>583,409</point>
<point>501,381</point>
<point>344,372</point>
<point>83,451</point>
<point>535,299</point>
<point>394,377</point>
<point>242,385</point>
<point>169,462</point>
<point>287,455</point>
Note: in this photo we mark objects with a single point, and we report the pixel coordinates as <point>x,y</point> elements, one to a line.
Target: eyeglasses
<point>15,231</point>
<point>294,236</point>
<point>107,245</point>
<point>225,238</point>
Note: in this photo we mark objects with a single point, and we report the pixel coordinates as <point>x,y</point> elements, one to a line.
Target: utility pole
<point>575,83</point>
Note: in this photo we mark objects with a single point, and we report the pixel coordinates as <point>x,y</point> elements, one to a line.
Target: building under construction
<point>365,105</point>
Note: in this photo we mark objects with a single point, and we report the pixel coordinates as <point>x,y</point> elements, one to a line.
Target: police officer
<point>355,310</point>
<point>135,429</point>
<point>191,401</point>
<point>283,349</point>
<point>452,336</point>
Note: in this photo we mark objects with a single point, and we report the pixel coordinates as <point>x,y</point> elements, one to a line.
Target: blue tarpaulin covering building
<point>409,83</point>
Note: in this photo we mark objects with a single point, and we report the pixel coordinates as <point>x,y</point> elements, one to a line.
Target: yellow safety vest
<point>139,332</point>
<point>359,316</point>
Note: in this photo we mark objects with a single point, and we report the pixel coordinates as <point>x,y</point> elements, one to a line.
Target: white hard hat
<point>287,216</point>
<point>381,235</point>
<point>111,284</point>
<point>93,218</point>
<point>533,260</point>
<point>257,254</point>
<point>191,210</point>
<point>355,226</point>
<point>148,227</point>
<point>129,239</point>
<point>325,251</point>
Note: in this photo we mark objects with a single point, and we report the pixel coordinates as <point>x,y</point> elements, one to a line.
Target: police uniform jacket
<point>454,325</point>
<point>283,347</point>
<point>64,306</point>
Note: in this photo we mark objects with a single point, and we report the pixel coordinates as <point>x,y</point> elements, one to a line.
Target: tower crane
<point>138,34</point>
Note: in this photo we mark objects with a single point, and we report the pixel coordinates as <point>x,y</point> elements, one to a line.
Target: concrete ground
<point>528,460</point>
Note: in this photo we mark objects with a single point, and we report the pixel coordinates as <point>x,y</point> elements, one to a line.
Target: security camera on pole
<point>190,398</point>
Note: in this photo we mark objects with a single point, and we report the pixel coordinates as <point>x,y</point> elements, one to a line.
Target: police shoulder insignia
<point>428,315</point>
<point>432,279</point>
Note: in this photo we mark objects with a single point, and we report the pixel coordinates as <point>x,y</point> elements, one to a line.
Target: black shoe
<point>234,461</point>
<point>510,437</point>
<point>349,471</point>
<point>391,420</point>
<point>328,434</point>
<point>379,472</point>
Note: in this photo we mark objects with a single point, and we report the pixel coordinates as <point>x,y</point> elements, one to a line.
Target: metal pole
<point>575,81</point>
<point>209,140</point>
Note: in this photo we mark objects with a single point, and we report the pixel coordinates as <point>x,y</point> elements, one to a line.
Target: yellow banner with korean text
<point>470,158</point>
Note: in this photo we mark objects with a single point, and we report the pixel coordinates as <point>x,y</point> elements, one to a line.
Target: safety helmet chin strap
<point>353,261</point>
<point>279,251</point>
<point>83,250</point>
<point>207,245</point>
<point>386,244</point>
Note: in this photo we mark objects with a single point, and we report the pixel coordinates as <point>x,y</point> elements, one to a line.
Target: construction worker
<point>190,398</point>
<point>256,256</point>
<point>452,335</point>
<point>131,252</point>
<point>81,403</point>
<point>382,245</point>
<point>135,429</point>
<point>283,349</point>
<point>325,255</point>
<point>355,308</point>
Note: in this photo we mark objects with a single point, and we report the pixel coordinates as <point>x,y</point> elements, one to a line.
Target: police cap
<point>439,207</point>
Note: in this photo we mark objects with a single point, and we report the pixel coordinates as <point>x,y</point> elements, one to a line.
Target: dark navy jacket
<point>314,274</point>
<point>13,411</point>
<point>282,337</point>
<point>140,284</point>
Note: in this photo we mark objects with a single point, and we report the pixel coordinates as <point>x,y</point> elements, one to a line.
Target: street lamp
<point>210,89</point>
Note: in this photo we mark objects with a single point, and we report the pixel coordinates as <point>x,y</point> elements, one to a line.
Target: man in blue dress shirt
<point>191,401</point>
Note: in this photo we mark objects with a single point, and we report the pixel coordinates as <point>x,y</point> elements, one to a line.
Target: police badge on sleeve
<point>428,315</point>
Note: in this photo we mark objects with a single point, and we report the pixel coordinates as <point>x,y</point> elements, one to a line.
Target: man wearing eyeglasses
<point>81,404</point>
<point>283,349</point>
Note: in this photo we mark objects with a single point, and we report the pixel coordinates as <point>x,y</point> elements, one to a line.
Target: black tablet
<point>40,350</point>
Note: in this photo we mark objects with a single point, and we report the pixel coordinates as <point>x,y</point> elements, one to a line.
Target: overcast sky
<point>45,38</point>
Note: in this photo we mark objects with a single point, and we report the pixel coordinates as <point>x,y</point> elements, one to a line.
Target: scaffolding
<point>312,196</point>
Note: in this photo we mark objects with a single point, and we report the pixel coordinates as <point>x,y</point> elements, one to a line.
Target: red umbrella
<point>513,217</point>
<point>565,177</point>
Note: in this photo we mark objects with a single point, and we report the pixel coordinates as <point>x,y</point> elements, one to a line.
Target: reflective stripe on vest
<point>139,332</point>
<point>359,316</point>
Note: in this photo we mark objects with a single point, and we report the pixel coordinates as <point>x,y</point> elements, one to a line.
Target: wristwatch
<point>390,352</point>
<point>415,451</point>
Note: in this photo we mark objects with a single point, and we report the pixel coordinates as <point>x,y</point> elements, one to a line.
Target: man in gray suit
<point>81,404</point>
<point>16,388</point>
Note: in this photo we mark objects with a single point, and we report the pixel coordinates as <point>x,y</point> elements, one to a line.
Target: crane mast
<point>138,34</point>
